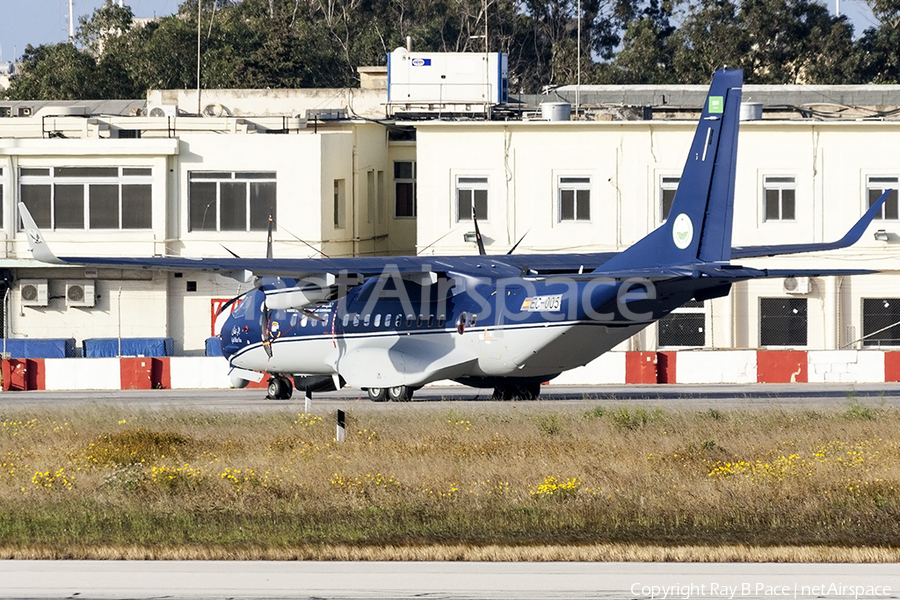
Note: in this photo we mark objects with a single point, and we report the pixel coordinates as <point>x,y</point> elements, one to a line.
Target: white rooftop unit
<point>446,82</point>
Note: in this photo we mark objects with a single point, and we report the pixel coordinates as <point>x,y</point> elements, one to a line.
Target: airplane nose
<point>233,336</point>
<point>242,327</point>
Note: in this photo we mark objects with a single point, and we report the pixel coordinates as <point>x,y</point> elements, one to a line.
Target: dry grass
<point>517,482</point>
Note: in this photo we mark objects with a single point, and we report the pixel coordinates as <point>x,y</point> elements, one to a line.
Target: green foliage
<point>625,418</point>
<point>134,446</point>
<point>55,72</point>
<point>859,412</point>
<point>548,424</point>
<point>637,418</point>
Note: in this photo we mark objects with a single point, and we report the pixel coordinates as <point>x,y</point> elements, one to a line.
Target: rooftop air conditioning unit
<point>797,285</point>
<point>162,110</point>
<point>80,293</point>
<point>33,291</point>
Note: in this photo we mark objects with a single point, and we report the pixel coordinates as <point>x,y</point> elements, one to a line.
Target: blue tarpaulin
<point>39,348</point>
<point>214,346</point>
<point>109,347</point>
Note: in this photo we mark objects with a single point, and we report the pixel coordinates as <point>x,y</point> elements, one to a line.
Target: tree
<point>878,46</point>
<point>774,41</point>
<point>787,40</point>
<point>55,72</point>
<point>710,37</point>
<point>644,58</point>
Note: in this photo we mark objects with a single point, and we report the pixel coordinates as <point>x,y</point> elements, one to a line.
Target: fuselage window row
<point>367,320</point>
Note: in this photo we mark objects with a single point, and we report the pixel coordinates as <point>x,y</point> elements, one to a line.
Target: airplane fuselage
<point>454,326</point>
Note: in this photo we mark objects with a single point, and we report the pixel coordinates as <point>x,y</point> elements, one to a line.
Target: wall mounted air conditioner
<point>797,285</point>
<point>80,293</point>
<point>162,110</point>
<point>33,292</point>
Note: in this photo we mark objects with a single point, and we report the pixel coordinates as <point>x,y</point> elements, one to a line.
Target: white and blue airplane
<point>390,325</point>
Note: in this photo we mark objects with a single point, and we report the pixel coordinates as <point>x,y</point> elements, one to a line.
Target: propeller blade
<point>516,245</point>
<point>477,232</point>
<point>266,323</point>
<point>313,315</point>
<point>269,252</point>
<point>232,301</point>
<point>229,251</point>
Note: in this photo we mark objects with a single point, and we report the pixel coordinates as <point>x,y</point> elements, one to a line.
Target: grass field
<point>520,481</point>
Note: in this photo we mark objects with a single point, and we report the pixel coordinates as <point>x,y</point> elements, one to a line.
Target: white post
<point>199,3</point>
<point>71,21</point>
<point>341,433</point>
<point>119,311</point>
<point>578,83</point>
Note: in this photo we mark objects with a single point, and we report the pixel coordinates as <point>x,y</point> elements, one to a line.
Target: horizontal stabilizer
<point>849,239</point>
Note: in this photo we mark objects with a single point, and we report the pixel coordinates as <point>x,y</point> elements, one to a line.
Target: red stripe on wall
<point>782,366</point>
<point>640,367</point>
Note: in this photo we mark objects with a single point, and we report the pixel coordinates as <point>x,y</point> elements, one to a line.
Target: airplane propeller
<point>477,232</point>
<point>516,245</point>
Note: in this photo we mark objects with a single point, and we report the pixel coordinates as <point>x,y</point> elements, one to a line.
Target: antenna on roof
<point>71,21</point>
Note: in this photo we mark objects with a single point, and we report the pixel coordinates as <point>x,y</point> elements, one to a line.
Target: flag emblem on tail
<point>682,231</point>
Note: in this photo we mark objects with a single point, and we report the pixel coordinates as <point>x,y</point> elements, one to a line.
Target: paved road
<point>450,580</point>
<point>692,397</point>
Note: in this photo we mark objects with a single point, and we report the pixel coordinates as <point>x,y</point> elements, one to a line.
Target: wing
<point>362,267</point>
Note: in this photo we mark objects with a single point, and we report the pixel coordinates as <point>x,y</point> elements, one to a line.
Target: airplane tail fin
<point>698,227</point>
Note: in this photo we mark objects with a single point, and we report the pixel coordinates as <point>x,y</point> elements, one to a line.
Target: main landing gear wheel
<point>279,388</point>
<point>517,391</point>
<point>377,394</point>
<point>400,393</point>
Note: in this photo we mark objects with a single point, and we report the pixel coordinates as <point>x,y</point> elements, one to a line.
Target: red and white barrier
<point>613,368</point>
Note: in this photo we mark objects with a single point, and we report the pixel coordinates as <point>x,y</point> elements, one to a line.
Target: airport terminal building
<point>362,172</point>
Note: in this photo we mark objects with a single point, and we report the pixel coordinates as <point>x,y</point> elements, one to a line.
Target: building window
<point>875,187</point>
<point>231,201</point>
<point>471,192</point>
<point>88,197</point>
<point>340,203</point>
<point>780,198</point>
<point>881,321</point>
<point>782,321</point>
<point>668,185</point>
<point>404,189</point>
<point>684,326</point>
<point>574,198</point>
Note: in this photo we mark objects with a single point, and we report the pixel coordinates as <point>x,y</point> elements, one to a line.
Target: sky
<point>39,22</point>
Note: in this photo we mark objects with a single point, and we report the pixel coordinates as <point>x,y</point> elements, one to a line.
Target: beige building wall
<point>626,161</point>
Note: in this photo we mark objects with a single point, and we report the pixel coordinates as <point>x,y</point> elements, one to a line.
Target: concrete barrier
<point>609,368</point>
<point>846,366</point>
<point>199,372</point>
<point>613,368</point>
<point>83,374</point>
<point>716,366</point>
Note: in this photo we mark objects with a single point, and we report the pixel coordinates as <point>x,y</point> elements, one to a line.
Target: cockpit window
<point>243,305</point>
